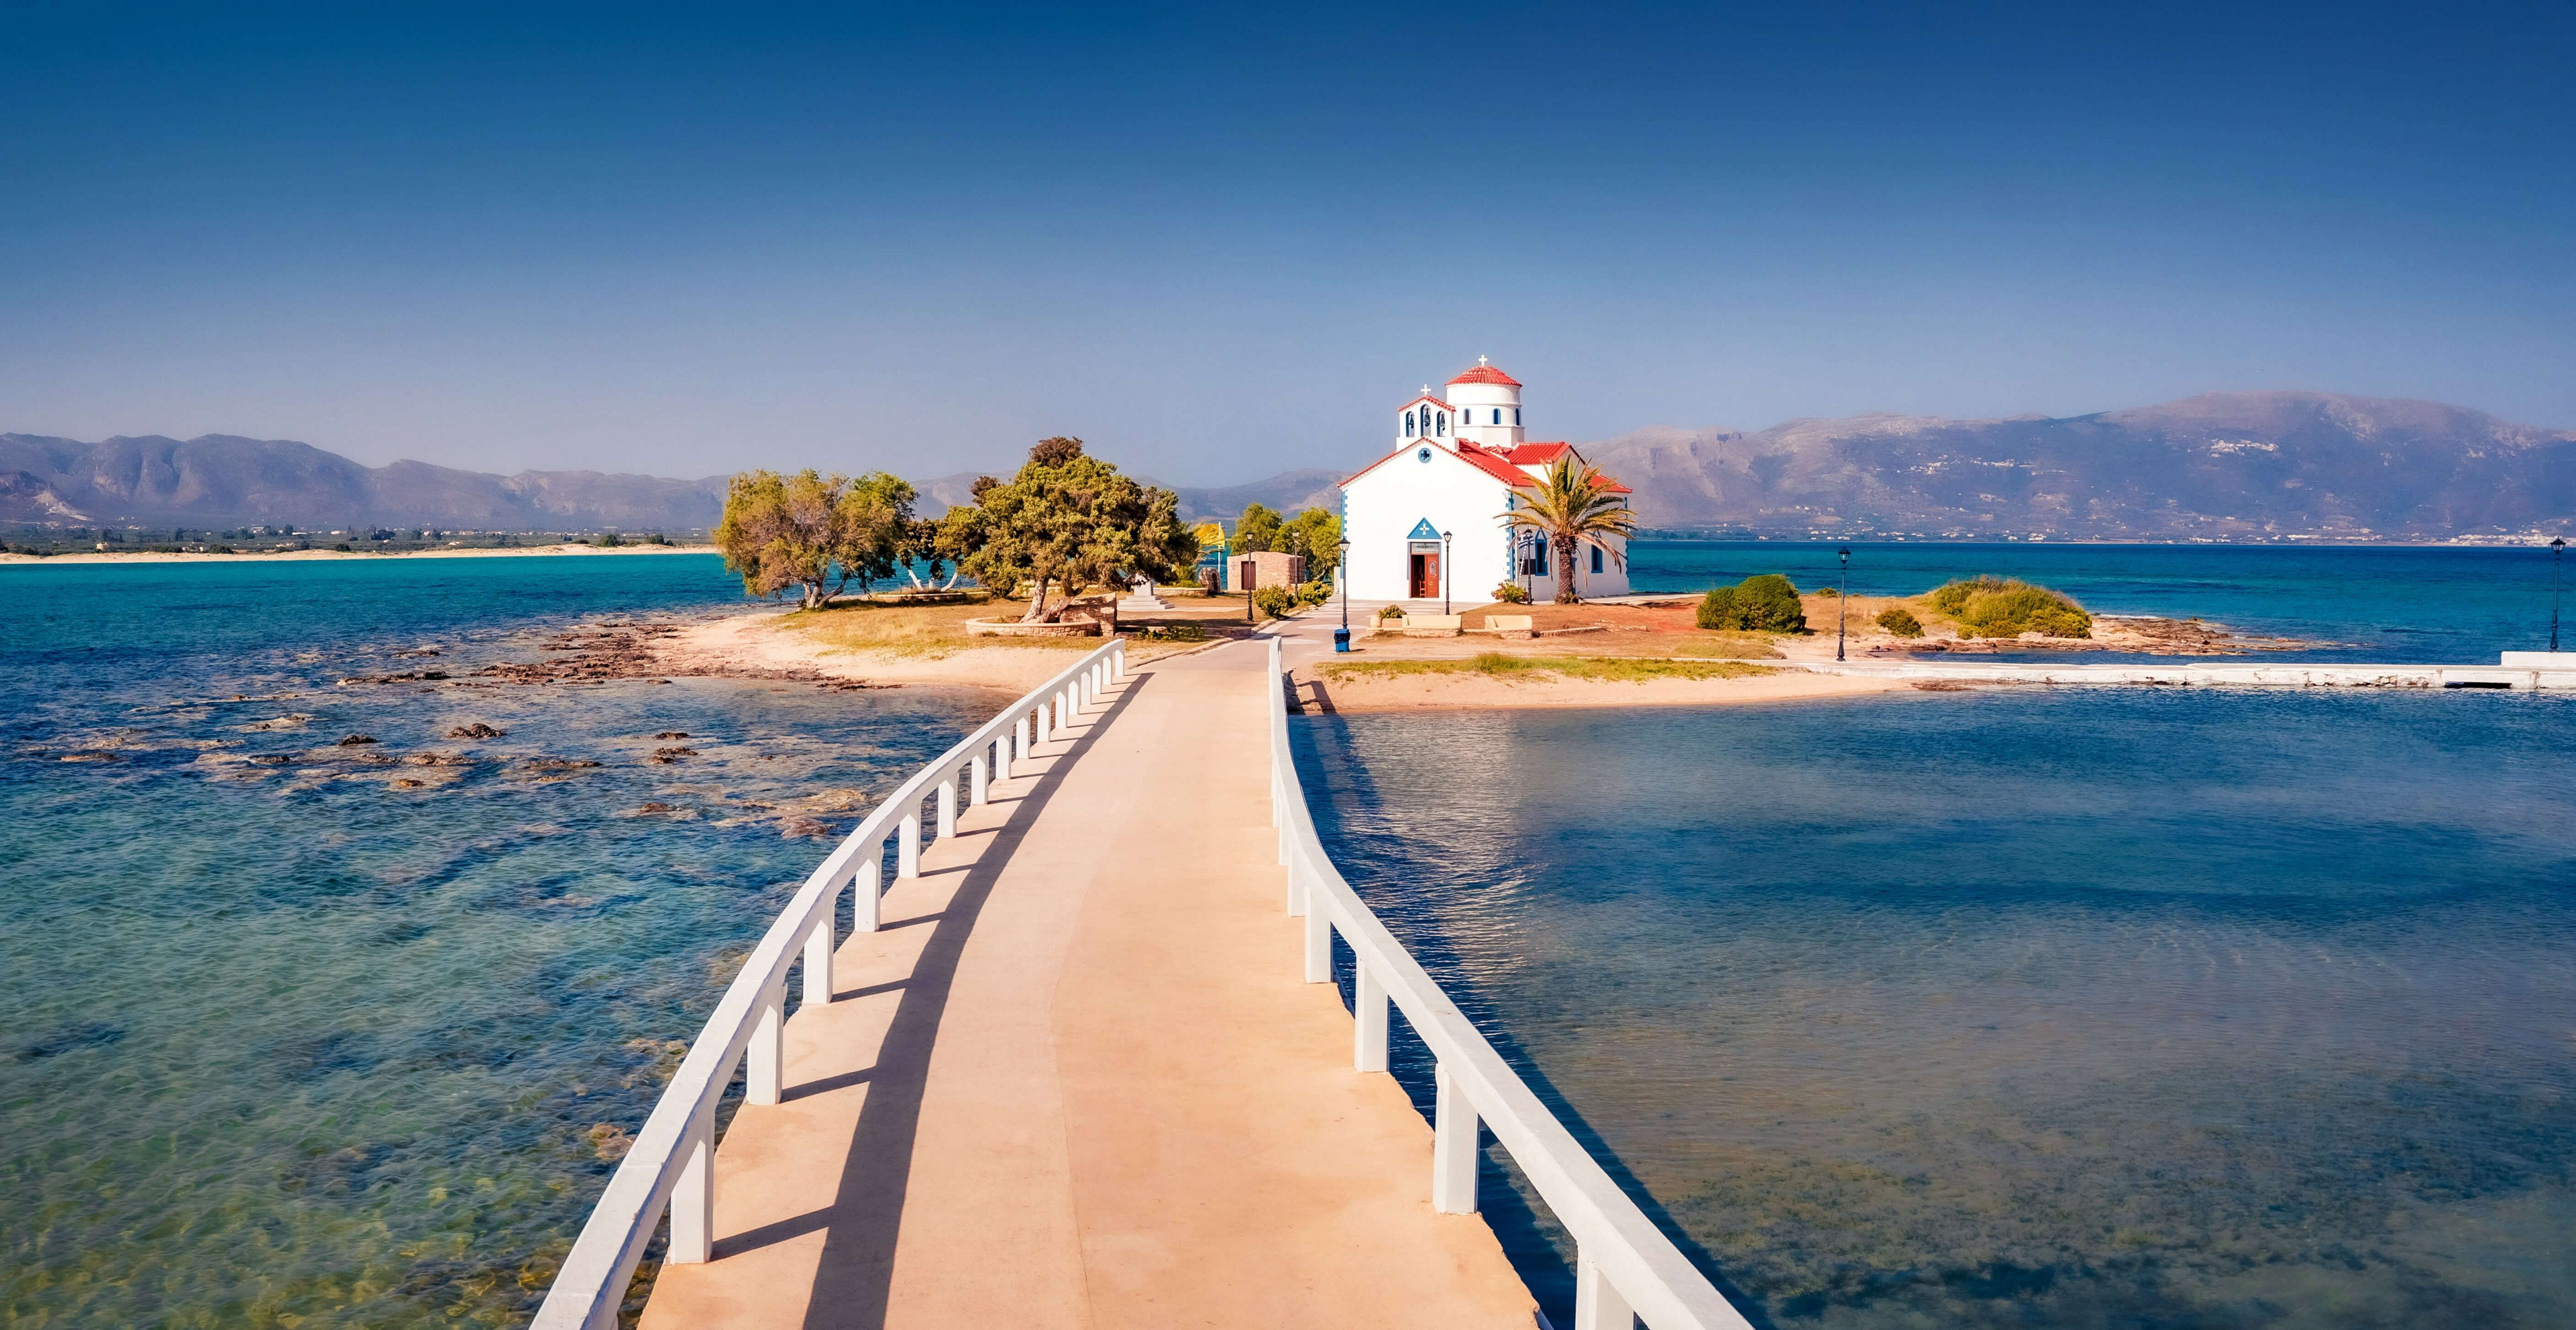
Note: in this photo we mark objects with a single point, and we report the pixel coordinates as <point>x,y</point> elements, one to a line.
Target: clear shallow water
<point>2383,604</point>
<point>293,1046</point>
<point>2067,1008</point>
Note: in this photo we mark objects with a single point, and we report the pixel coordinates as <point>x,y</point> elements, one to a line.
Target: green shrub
<point>1315,592</point>
<point>1762,603</point>
<point>343,548</point>
<point>609,541</point>
<point>1900,621</point>
<point>1386,612</point>
<point>1510,593</point>
<point>2008,607</point>
<point>1276,601</point>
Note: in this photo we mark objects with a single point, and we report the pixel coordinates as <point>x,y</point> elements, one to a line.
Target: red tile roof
<point>1487,374</point>
<point>1432,400</point>
<point>1535,454</point>
<point>1493,464</point>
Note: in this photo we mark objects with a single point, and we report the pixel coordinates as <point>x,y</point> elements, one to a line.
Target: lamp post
<point>2557,563</point>
<point>1842,602</point>
<point>1342,570</point>
<point>1444,572</point>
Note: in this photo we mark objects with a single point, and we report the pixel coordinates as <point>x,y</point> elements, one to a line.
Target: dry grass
<point>898,629</point>
<point>1607,669</point>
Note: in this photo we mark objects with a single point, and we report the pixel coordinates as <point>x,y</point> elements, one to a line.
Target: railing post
<point>1368,1019</point>
<point>818,955</point>
<point>1597,1305</point>
<point>1319,942</point>
<point>1453,1145</point>
<point>1118,661</point>
<point>948,806</point>
<point>976,793</point>
<point>907,847</point>
<point>763,1064</point>
<point>867,910</point>
<point>693,1196</point>
<point>1044,730</point>
<point>1020,739</point>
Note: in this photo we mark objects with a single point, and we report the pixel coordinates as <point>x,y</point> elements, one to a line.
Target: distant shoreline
<point>564,550</point>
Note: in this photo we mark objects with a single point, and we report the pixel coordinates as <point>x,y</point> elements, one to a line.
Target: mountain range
<point>2217,466</point>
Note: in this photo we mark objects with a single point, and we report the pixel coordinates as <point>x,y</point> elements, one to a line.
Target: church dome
<point>1484,373</point>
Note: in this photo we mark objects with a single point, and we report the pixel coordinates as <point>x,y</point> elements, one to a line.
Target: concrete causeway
<point>1077,1078</point>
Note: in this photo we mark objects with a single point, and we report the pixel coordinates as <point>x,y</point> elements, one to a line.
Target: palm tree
<point>1571,506</point>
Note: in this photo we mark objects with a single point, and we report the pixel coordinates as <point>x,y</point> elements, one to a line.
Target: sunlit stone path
<point>1077,1077</point>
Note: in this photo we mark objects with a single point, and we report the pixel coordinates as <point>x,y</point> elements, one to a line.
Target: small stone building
<point>1251,572</point>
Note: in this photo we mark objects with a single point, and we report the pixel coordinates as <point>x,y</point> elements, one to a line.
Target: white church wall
<point>1381,508</point>
<point>1612,580</point>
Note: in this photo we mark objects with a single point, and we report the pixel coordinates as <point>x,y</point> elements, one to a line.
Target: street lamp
<point>1342,637</point>
<point>1842,602</point>
<point>1444,572</point>
<point>2557,565</point>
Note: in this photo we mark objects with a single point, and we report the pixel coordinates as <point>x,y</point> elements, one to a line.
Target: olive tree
<point>817,534</point>
<point>1066,521</point>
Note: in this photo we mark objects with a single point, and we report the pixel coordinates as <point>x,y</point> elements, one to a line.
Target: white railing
<point>1624,1266</point>
<point>671,1166</point>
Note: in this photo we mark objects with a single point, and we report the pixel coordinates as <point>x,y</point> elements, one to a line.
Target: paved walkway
<point>1077,1081</point>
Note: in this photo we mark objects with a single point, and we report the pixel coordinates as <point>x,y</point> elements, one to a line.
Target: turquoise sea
<point>2383,603</point>
<point>2034,1008</point>
<point>2049,1008</point>
<point>291,1045</point>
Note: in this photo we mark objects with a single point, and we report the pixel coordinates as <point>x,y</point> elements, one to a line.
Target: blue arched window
<point>1443,426</point>
<point>1498,415</point>
<point>1516,415</point>
<point>1408,424</point>
<point>1596,558</point>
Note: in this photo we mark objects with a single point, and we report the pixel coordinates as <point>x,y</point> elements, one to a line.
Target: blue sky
<point>1219,244</point>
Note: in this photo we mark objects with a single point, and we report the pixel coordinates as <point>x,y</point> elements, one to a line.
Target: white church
<point>1426,519</point>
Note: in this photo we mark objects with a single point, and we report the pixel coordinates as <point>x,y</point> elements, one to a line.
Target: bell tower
<point>1426,419</point>
<point>1488,403</point>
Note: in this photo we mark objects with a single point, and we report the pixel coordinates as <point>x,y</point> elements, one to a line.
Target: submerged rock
<point>353,740</point>
<point>610,1141</point>
<point>477,730</point>
<point>672,734</point>
<point>669,755</point>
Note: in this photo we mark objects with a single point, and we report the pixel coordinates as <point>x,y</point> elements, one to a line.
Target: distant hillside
<point>222,480</point>
<point>2220,466</point>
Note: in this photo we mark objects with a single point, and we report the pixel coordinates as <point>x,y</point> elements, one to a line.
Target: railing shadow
<point>852,1280</point>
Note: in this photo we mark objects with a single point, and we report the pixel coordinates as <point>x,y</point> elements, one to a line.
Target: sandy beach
<point>759,644</point>
<point>569,548</point>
